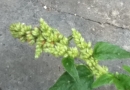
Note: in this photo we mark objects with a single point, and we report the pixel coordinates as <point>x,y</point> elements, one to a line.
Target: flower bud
<point>89,44</point>
<point>41,20</point>
<point>38,52</point>
<point>31,42</point>
<point>40,38</point>
<point>35,32</point>
<point>22,39</point>
<point>29,28</point>
<point>30,37</point>
<point>65,55</point>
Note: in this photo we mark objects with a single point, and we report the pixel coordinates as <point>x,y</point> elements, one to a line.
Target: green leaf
<point>86,77</point>
<point>127,68</point>
<point>66,82</point>
<point>122,81</point>
<point>105,50</point>
<point>103,80</point>
<point>69,66</point>
<point>118,85</point>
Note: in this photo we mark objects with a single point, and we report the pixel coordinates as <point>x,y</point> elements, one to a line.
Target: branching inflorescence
<point>50,40</point>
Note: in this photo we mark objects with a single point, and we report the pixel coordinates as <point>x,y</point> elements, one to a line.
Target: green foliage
<point>69,81</point>
<point>69,66</point>
<point>105,51</point>
<point>126,68</point>
<point>75,77</point>
<point>122,81</point>
<point>103,80</point>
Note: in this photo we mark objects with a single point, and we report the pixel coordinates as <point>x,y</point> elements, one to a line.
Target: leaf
<point>69,66</point>
<point>103,80</point>
<point>126,68</point>
<point>105,50</point>
<point>86,77</point>
<point>122,81</point>
<point>66,82</point>
<point>118,85</point>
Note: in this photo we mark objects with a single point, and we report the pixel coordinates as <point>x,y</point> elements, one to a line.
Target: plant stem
<point>70,37</point>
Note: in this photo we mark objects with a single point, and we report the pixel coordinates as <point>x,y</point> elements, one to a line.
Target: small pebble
<point>115,13</point>
<point>88,8</point>
<point>93,29</point>
<point>45,7</point>
<point>121,3</point>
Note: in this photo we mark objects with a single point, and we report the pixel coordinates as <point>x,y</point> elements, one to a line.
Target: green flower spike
<point>36,32</point>
<point>50,40</point>
<point>86,53</point>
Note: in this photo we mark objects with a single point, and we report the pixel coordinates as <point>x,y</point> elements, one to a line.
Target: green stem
<point>101,69</point>
<point>70,37</point>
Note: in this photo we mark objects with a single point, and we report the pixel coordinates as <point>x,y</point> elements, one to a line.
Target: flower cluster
<point>96,68</point>
<point>84,48</point>
<point>45,38</point>
<point>86,53</point>
<point>50,40</point>
<point>23,32</point>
